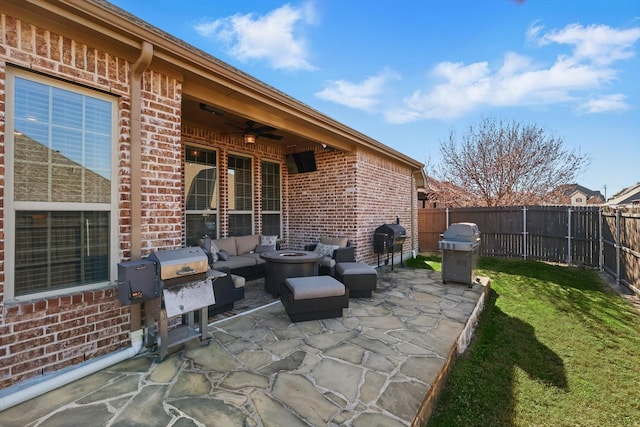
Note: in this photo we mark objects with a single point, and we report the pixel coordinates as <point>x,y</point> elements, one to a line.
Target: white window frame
<point>268,212</point>
<point>230,211</point>
<point>215,212</point>
<point>11,206</point>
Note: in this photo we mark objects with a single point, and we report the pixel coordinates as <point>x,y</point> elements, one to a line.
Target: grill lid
<point>180,262</point>
<point>462,232</point>
<point>395,230</point>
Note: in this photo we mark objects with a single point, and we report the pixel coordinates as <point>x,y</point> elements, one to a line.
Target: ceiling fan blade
<point>262,129</point>
<point>235,126</point>
<point>270,136</point>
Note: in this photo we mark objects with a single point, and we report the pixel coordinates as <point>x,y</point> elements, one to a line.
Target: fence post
<point>569,236</point>
<point>601,248</point>
<point>617,243</point>
<point>447,211</point>
<point>524,232</point>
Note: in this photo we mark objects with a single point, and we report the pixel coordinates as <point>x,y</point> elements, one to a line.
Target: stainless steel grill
<point>460,245</point>
<point>180,265</point>
<point>186,288</point>
<point>388,239</point>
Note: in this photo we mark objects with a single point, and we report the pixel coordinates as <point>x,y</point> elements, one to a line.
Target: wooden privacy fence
<point>621,245</point>
<point>606,238</point>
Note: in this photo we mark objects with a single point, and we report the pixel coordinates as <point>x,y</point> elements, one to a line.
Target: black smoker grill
<point>388,239</point>
<point>460,245</point>
<point>179,285</point>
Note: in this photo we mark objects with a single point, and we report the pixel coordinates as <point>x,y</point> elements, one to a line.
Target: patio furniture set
<point>315,283</point>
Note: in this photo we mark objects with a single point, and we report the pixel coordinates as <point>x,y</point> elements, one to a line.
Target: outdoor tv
<point>301,162</point>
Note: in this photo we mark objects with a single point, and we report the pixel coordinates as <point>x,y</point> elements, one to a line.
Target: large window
<point>271,199</point>
<point>240,195</point>
<point>201,198</point>
<point>60,198</point>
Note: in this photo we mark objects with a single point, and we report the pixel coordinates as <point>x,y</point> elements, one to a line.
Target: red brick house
<point>107,124</point>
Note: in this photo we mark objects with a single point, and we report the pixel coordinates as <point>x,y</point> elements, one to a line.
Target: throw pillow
<point>223,255</point>
<point>326,250</point>
<point>269,241</point>
<point>265,248</point>
<point>213,249</point>
<point>340,241</point>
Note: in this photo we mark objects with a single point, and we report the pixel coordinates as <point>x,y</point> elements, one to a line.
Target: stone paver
<point>374,366</point>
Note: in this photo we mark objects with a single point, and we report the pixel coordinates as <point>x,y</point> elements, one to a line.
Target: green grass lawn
<point>428,262</point>
<point>555,346</point>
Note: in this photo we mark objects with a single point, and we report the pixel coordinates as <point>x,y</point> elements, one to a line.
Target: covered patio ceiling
<point>228,122</point>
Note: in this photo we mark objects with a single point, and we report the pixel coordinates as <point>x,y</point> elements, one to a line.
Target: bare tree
<point>503,164</point>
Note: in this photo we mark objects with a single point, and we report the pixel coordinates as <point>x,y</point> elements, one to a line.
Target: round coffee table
<point>280,265</point>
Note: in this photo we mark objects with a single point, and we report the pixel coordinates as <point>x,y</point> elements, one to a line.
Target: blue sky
<point>407,72</point>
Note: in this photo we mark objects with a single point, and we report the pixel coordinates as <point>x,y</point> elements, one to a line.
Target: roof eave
<point>128,29</point>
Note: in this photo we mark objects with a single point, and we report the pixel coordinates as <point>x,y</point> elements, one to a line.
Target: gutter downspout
<point>420,180</point>
<point>135,161</point>
<point>21,393</point>
<point>138,68</point>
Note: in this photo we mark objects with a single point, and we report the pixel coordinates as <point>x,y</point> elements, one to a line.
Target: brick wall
<point>388,191</point>
<point>323,203</point>
<point>42,336</point>
<point>350,195</point>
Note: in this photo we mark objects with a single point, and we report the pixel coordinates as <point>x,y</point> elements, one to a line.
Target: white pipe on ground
<point>15,395</point>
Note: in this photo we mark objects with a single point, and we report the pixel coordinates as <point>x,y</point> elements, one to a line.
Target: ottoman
<point>359,278</point>
<point>313,298</point>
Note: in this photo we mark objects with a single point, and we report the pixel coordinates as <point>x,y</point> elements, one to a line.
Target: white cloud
<point>599,44</point>
<point>520,81</point>
<point>271,37</point>
<point>604,104</point>
<point>362,95</point>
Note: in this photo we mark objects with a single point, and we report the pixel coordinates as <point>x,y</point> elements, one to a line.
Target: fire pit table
<point>281,265</point>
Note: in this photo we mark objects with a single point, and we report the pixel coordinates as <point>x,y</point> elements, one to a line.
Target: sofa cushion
<point>238,281</point>
<point>228,244</point>
<point>246,244</point>
<point>327,261</point>
<point>340,241</point>
<point>325,249</point>
<point>264,248</point>
<point>255,257</point>
<point>314,287</point>
<point>354,268</point>
<point>235,262</point>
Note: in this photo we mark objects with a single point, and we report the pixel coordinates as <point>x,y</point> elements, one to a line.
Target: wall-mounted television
<point>301,162</point>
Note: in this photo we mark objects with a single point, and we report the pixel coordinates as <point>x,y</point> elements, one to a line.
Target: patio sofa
<point>240,254</point>
<point>335,250</point>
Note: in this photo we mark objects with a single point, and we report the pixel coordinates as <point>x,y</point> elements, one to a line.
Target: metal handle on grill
<point>185,271</point>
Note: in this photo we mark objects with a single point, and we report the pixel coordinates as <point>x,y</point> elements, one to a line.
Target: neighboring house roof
<point>570,190</point>
<point>627,196</point>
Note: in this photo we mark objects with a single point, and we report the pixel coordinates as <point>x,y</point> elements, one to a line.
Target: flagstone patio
<point>381,364</point>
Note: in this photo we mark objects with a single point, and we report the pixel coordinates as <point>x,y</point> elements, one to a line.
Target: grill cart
<point>460,245</point>
<point>172,283</point>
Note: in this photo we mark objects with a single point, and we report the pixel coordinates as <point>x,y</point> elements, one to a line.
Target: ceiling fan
<point>250,133</point>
